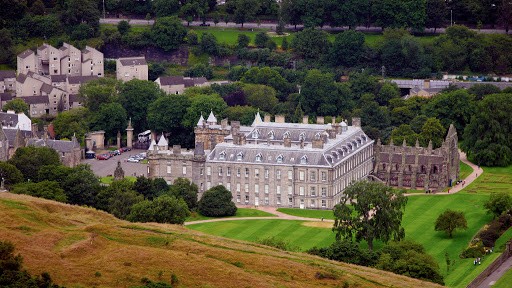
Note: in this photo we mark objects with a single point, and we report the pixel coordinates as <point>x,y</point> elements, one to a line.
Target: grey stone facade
<point>418,167</point>
<point>270,163</point>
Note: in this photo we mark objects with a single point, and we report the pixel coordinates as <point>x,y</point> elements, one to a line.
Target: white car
<point>132,160</point>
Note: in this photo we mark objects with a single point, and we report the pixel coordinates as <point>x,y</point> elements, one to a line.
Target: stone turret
<point>129,134</point>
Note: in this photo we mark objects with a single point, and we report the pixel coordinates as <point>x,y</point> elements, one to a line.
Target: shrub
<point>277,243</point>
<point>475,249</point>
<point>216,202</point>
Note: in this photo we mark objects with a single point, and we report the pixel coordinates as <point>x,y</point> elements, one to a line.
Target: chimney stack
<point>266,118</point>
<point>223,123</point>
<point>287,142</point>
<point>199,150</point>
<point>332,133</point>
<point>280,119</point>
<point>356,122</point>
<point>319,119</point>
<point>318,142</point>
<point>176,149</point>
<point>305,119</point>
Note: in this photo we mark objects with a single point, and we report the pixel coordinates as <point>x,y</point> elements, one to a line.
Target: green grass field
<point>240,212</point>
<point>504,281</point>
<point>326,214</point>
<point>109,179</point>
<point>494,179</point>
<point>465,170</point>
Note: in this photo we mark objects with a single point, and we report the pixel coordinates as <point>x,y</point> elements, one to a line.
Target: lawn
<point>230,35</point>
<point>240,212</point>
<point>109,179</point>
<point>494,179</point>
<point>326,214</point>
<point>465,170</point>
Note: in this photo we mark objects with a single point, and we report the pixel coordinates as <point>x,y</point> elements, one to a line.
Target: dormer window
<point>286,134</point>
<point>355,143</point>
<point>364,138</point>
<point>256,134</point>
<point>302,136</point>
<point>258,157</point>
<point>304,159</point>
<point>239,156</point>
<point>271,135</point>
<point>280,159</point>
<point>222,155</point>
<point>317,135</point>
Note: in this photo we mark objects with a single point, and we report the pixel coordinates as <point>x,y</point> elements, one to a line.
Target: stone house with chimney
<point>132,68</point>
<point>7,81</point>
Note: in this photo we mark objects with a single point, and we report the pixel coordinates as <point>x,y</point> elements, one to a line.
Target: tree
<point>480,90</point>
<point>347,48</point>
<point>164,209</point>
<point>311,43</point>
<point>81,185</point>
<point>136,106</point>
<point>17,104</point>
<point>245,10</point>
<point>433,131</point>
<point>370,211</point>
<point>155,70</point>
<point>291,12</point>
<point>99,91</point>
<point>216,18</point>
<point>505,14</point>
<point>209,44</point>
<point>185,189</point>
<point>318,94</point>
<point>10,174</point>
<point>347,251</point>
<point>260,96</point>
<point>57,173</point>
<point>168,33</point>
<point>203,104</point>
<point>261,39</point>
<point>244,114</point>
<point>45,189</point>
<point>78,12</point>
<point>450,220</point>
<point>192,38</point>
<point>498,203</point>
<point>488,136</point>
<point>284,44</point>
<point>406,14</point>
<point>404,132</point>
<point>123,27</point>
<point>164,8</point>
<point>11,11</point>
<point>37,8</point>
<point>118,198</point>
<point>111,118</point>
<point>216,202</point>
<point>6,50</point>
<point>30,159</point>
<point>175,107</point>
<point>72,122</point>
<point>243,41</point>
<point>436,14</point>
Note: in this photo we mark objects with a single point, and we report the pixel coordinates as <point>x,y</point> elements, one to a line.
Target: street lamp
<point>451,16</point>
<point>104,9</point>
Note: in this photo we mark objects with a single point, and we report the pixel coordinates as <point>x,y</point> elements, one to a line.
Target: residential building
<point>131,68</point>
<point>73,83</point>
<point>69,151</point>
<point>27,62</point>
<point>38,105</point>
<point>177,84</point>
<point>270,163</point>
<point>7,81</point>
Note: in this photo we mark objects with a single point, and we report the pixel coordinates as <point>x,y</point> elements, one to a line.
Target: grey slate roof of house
<point>80,79</point>
<point>25,53</point>
<point>58,78</point>
<point>7,74</point>
<point>171,80</point>
<point>8,119</point>
<point>21,78</point>
<point>35,99</point>
<point>46,88</point>
<point>10,134</point>
<point>57,145</point>
<point>133,61</point>
<point>501,85</point>
<point>74,98</point>
<point>6,96</point>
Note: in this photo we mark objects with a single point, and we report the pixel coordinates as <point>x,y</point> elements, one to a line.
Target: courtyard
<point>104,168</point>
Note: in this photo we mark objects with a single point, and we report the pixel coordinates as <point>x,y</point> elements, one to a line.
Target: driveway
<point>106,167</point>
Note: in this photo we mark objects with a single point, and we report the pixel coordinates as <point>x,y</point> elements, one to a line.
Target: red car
<point>103,156</point>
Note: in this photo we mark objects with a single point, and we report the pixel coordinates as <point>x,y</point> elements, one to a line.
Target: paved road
<point>272,26</point>
<point>496,275</point>
<point>106,167</point>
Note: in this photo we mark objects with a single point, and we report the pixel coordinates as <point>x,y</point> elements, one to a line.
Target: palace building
<point>275,164</point>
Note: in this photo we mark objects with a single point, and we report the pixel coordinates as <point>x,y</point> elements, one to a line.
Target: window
<point>169,169</point>
<point>301,175</point>
<point>237,187</point>
<point>313,203</point>
<point>256,188</point>
<point>238,199</point>
<point>302,136</point>
<point>313,191</point>
<point>222,155</point>
<point>279,159</point>
<point>290,174</point>
<point>228,186</point>
<point>266,173</point>
<point>208,170</point>
<point>278,174</point>
<point>324,176</point>
<point>312,176</point>
<point>278,189</point>
<point>271,135</point>
<point>237,172</point>
<point>290,190</point>
<point>246,199</point>
<point>246,188</point>
<point>286,134</point>
<point>266,188</point>
<point>301,191</point>
<point>246,172</point>
<point>256,134</point>
<point>266,200</point>
<point>184,170</point>
<point>324,192</point>
<point>220,171</point>
<point>228,173</point>
<point>278,201</point>
<point>208,185</point>
<point>304,159</point>
<point>239,156</point>
<point>324,203</point>
<point>258,157</point>
<point>256,172</point>
<point>290,200</point>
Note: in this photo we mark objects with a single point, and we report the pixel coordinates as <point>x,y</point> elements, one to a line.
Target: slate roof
<point>58,145</point>
<point>6,96</point>
<point>58,78</point>
<point>6,118</point>
<point>133,61</point>
<point>35,99</point>
<point>21,78</point>
<point>46,88</point>
<point>74,98</point>
<point>7,74</point>
<point>10,134</point>
<point>171,80</point>
<point>25,53</point>
<point>80,79</point>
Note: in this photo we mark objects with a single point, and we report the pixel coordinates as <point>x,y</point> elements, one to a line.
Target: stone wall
<point>492,267</point>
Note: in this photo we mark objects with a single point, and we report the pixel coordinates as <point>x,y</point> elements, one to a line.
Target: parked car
<point>105,156</point>
<point>132,160</point>
<point>124,149</point>
<point>90,155</point>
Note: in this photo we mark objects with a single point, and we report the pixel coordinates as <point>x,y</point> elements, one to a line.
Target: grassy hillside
<point>82,247</point>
